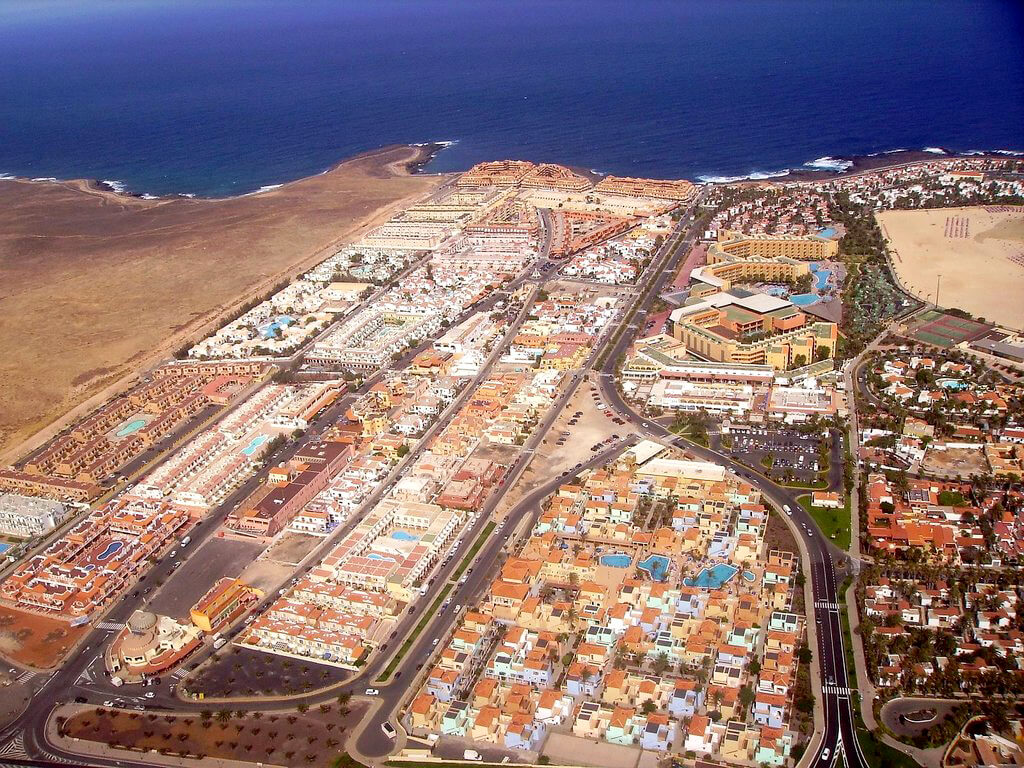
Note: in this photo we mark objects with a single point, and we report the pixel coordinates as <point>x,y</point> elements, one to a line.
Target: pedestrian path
<point>25,676</point>
<point>14,748</point>
<point>110,625</point>
<point>826,605</point>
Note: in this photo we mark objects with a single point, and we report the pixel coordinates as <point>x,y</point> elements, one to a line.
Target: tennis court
<point>943,330</point>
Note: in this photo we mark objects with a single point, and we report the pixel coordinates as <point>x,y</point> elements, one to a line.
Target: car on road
<point>150,694</point>
<point>389,729</point>
<point>372,692</point>
<point>108,703</point>
<point>825,753</point>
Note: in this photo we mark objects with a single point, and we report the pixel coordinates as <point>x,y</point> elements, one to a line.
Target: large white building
<point>27,516</point>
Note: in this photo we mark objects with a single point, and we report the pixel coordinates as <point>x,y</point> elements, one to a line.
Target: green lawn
<point>877,752</point>
<point>834,523</point>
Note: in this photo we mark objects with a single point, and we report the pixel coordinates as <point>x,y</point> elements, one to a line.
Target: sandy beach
<point>979,252</point>
<point>98,286</point>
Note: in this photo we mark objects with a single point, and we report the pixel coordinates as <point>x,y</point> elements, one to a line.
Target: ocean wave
<point>115,186</point>
<point>934,150</point>
<point>893,151</point>
<point>189,195</point>
<point>1010,152</point>
<point>148,196</point>
<point>7,177</point>
<point>828,163</point>
<point>442,144</point>
<point>265,188</point>
<point>752,176</point>
<point>45,178</point>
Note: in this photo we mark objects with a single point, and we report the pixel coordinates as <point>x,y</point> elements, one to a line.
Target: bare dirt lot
<point>97,285</point>
<point>34,640</point>
<point>243,672</point>
<point>282,739</point>
<point>955,461</point>
<point>979,252</point>
<point>290,548</point>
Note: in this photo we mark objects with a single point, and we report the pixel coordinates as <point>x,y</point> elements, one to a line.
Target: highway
<point>369,739</point>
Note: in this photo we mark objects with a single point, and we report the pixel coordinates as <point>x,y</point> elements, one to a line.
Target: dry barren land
<point>96,285</point>
<point>979,252</point>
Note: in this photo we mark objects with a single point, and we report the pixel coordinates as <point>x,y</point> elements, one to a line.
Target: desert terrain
<point>979,252</point>
<point>96,285</point>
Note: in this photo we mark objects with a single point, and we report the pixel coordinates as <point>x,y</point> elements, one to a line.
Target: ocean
<point>222,97</point>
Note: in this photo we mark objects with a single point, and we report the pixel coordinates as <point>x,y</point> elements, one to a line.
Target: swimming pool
<point>254,444</point>
<point>4,547</point>
<point>830,232</point>
<point>404,536</point>
<point>132,426</point>
<point>714,577</point>
<point>952,384</point>
<point>270,329</point>
<point>822,276</point>
<point>749,576</point>
<point>617,560</point>
<point>804,299</point>
<point>111,549</point>
<point>656,567</point>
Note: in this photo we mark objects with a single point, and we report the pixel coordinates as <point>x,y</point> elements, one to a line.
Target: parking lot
<point>780,453</point>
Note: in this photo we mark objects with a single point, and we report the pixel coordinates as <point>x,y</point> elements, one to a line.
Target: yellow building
<point>754,329</point>
<point>736,245</point>
<point>221,603</point>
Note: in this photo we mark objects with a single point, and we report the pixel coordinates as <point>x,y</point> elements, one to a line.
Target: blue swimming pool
<point>830,232</point>
<point>804,299</point>
<point>712,578</point>
<point>111,549</point>
<point>822,276</point>
<point>375,556</point>
<point>617,560</point>
<point>270,329</point>
<point>132,426</point>
<point>404,536</point>
<point>952,384</point>
<point>4,547</point>
<point>749,576</point>
<point>656,566</point>
<point>254,444</point>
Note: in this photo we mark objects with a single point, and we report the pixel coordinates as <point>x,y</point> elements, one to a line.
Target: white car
<point>372,692</point>
<point>825,753</point>
<point>786,509</point>
<point>389,729</point>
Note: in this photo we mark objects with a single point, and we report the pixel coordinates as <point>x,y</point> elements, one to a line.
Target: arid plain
<point>98,285</point>
<point>978,251</point>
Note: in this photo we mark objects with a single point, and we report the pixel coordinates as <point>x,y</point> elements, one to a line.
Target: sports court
<point>942,330</point>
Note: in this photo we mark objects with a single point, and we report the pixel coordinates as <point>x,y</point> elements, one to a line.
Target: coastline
<point>137,278</point>
<point>822,168</point>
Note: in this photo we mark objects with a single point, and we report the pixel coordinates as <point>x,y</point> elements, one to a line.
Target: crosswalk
<point>25,676</point>
<point>826,605</point>
<point>179,673</point>
<point>14,748</point>
<point>837,690</point>
<point>107,626</point>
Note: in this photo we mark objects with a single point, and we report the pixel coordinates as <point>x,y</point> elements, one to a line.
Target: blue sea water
<point>220,97</point>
